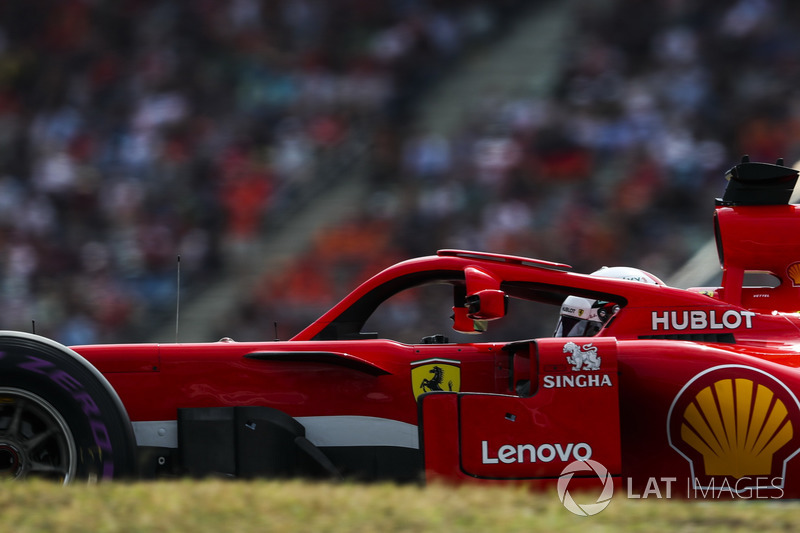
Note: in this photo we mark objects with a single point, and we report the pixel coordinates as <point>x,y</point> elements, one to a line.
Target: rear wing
<point>757,230</point>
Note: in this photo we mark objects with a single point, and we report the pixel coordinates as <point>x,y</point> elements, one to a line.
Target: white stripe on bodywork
<point>359,431</point>
<point>162,433</point>
<point>345,430</point>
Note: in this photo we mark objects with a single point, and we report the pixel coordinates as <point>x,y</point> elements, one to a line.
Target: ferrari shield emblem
<point>435,375</point>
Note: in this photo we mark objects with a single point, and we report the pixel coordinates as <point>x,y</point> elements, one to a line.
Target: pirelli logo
<point>699,320</point>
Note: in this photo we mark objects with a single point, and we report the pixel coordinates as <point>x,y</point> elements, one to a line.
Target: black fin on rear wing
<point>759,184</point>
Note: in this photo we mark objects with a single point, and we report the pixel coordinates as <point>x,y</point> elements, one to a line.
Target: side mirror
<point>464,324</point>
<point>488,304</point>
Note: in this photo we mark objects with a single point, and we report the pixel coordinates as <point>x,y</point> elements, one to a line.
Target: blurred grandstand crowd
<point>133,131</point>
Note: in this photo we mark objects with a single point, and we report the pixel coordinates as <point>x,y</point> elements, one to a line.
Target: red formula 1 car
<point>695,388</point>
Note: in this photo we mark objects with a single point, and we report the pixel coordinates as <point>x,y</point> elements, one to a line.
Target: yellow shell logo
<point>794,273</point>
<point>737,426</point>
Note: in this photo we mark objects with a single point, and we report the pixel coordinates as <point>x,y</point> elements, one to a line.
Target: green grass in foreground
<point>241,507</point>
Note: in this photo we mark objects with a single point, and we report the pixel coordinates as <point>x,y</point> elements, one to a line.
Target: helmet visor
<point>577,327</point>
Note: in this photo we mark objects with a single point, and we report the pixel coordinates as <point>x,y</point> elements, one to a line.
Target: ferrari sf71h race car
<point>693,387</point>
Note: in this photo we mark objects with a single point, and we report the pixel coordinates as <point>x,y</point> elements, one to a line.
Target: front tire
<point>59,417</point>
<point>35,440</point>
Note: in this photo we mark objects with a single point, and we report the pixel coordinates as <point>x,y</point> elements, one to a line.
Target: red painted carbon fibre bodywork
<point>691,390</point>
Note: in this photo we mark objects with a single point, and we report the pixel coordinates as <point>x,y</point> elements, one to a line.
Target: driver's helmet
<point>584,317</point>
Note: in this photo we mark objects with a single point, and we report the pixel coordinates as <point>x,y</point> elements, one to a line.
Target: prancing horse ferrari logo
<point>435,375</point>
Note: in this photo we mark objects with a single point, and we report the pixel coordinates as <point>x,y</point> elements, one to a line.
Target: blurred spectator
<point>132,132</point>
<point>620,164</point>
